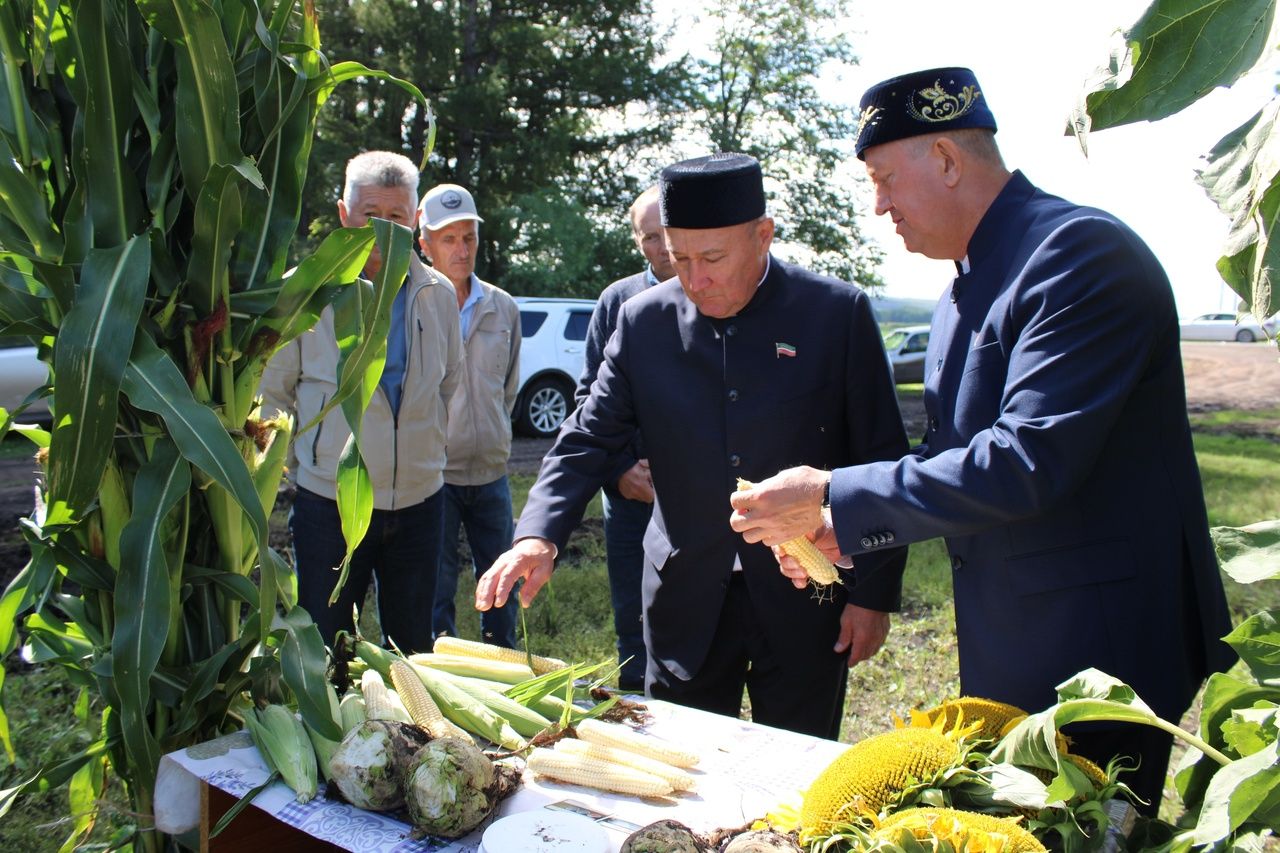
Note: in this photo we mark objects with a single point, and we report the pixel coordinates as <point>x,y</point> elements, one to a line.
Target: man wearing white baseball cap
<point>477,496</point>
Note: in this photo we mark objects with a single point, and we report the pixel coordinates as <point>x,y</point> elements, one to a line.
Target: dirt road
<point>1219,376</point>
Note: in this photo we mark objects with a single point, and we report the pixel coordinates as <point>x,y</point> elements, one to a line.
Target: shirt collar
<point>476,294</point>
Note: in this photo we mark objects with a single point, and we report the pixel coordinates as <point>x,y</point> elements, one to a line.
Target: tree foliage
<point>530,99</point>
<point>1175,54</point>
<point>756,91</point>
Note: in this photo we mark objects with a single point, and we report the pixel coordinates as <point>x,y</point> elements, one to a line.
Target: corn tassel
<point>470,648</point>
<point>815,563</point>
<point>673,776</point>
<point>621,737</point>
<point>593,773</point>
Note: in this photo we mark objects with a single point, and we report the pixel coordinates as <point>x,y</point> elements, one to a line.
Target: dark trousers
<point>625,521</point>
<point>485,513</point>
<point>1144,746</point>
<point>801,696</point>
<point>400,553</point>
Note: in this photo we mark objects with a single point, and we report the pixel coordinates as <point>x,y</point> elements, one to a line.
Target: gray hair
<point>977,142</point>
<point>382,169</point>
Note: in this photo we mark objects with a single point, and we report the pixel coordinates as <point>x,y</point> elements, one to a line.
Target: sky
<point>1032,60</point>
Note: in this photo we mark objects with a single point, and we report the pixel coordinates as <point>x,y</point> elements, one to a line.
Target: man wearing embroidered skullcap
<point>738,367</point>
<point>1057,461</point>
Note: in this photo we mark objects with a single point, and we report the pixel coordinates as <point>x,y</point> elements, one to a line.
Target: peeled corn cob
<point>421,708</point>
<point>595,773</point>
<point>474,667</point>
<point>815,563</point>
<point>470,648</point>
<point>621,737</point>
<point>674,776</point>
<point>379,702</point>
<point>352,710</point>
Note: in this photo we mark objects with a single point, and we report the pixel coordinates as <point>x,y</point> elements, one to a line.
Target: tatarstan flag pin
<point>784,350</point>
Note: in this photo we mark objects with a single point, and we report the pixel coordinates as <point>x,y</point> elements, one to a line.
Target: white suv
<point>552,353</point>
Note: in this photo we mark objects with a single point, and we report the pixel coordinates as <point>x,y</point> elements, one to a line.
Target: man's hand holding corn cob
<point>783,507</point>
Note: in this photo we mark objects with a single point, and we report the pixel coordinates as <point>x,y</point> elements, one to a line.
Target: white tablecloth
<point>745,769</point>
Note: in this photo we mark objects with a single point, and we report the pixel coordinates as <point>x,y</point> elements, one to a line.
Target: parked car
<point>905,346</point>
<point>552,353</point>
<point>21,372</point>
<point>1223,327</point>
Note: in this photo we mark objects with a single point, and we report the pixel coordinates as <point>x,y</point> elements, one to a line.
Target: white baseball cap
<point>446,203</point>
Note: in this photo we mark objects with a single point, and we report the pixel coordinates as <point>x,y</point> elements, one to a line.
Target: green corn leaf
<point>1176,53</point>
<point>23,203</point>
<point>208,114</point>
<point>89,361</point>
<point>218,219</point>
<point>142,605</point>
<point>111,186</point>
<point>303,664</point>
<point>203,682</point>
<point>361,319</point>
<point>292,307</point>
<point>84,792</point>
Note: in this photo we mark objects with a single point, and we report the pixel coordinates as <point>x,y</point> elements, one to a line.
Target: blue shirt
<point>392,380</point>
<point>467,310</point>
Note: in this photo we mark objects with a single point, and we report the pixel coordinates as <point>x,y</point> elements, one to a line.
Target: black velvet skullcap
<point>932,101</point>
<point>715,191</point>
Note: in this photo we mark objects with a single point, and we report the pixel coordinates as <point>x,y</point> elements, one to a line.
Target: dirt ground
<point>1219,376</point>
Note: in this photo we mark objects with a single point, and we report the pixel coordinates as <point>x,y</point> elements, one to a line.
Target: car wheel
<point>545,404</point>
<point>1244,336</point>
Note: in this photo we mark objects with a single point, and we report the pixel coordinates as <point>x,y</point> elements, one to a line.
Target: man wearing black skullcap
<point>739,367</point>
<point>1058,460</point>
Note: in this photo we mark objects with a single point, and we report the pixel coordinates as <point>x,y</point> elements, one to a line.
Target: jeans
<point>399,553</point>
<point>625,521</point>
<point>485,513</point>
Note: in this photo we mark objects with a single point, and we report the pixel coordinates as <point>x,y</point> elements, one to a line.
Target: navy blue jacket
<point>1058,464</point>
<point>716,400</point>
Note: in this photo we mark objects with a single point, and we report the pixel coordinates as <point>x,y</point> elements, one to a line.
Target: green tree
<point>530,98</point>
<point>757,92</point>
<point>150,188</point>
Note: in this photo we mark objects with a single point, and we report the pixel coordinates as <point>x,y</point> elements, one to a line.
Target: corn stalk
<point>154,154</point>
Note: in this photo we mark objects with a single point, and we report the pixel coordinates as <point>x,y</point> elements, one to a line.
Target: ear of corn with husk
<point>816,565</point>
<point>285,747</point>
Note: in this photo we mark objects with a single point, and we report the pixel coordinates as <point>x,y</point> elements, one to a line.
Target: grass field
<point>571,619</point>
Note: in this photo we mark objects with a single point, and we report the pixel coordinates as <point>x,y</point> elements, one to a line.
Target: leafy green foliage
<point>155,153</point>
<point>1177,52</point>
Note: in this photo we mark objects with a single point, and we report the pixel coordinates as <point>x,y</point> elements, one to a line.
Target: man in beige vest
<point>477,497</point>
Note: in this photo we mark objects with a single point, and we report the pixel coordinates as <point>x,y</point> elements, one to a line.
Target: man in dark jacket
<point>740,367</point>
<point>1058,460</point>
<point>628,498</point>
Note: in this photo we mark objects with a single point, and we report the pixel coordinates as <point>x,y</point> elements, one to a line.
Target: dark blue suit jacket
<point>1058,464</point>
<point>716,400</point>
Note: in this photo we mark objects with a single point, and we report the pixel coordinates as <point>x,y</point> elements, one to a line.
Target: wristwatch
<point>826,494</point>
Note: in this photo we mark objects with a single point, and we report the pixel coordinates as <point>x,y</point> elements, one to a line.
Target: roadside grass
<point>571,619</point>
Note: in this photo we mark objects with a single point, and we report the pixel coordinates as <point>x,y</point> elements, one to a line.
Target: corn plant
<point>150,185</point>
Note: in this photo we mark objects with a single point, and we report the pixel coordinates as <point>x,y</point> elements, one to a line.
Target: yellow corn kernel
<point>620,737</point>
<point>377,704</point>
<point>815,563</point>
<point>980,833</point>
<point>593,773</point>
<point>872,773</point>
<point>421,707</point>
<point>456,646</point>
<point>674,776</point>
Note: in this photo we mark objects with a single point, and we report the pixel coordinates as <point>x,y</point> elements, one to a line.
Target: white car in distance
<point>1223,326</point>
<point>552,354</point>
<point>21,372</point>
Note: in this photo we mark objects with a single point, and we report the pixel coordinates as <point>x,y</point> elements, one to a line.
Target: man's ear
<point>950,160</point>
<point>422,244</point>
<point>764,231</point>
<point>342,212</point>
